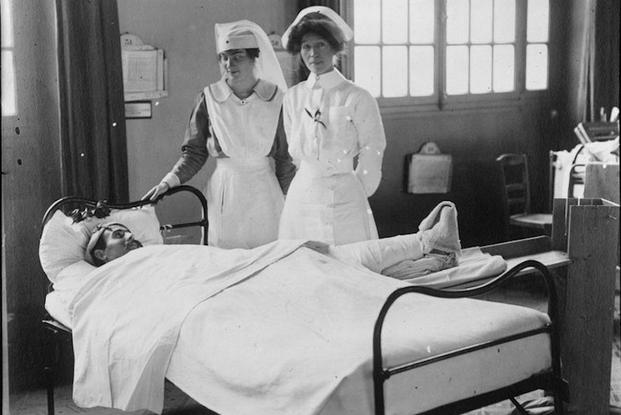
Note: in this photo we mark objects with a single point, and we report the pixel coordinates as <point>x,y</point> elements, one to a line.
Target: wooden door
<point>30,181</point>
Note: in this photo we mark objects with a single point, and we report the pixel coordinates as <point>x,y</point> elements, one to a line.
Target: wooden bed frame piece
<point>582,254</point>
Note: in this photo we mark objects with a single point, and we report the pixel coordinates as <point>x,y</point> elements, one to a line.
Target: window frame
<point>9,13</point>
<point>440,100</point>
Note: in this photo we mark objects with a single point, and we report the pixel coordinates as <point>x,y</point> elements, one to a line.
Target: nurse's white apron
<point>243,195</point>
<point>244,202</point>
<point>327,206</point>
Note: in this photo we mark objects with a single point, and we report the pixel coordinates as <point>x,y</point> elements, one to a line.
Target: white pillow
<point>63,242</point>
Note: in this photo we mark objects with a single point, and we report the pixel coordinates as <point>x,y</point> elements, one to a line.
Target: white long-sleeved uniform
<point>329,122</point>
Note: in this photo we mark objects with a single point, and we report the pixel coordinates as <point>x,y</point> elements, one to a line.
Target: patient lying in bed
<point>283,328</point>
<point>438,233</point>
<point>186,275</point>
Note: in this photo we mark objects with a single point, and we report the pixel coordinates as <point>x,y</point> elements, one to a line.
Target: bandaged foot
<point>434,216</point>
<point>439,231</point>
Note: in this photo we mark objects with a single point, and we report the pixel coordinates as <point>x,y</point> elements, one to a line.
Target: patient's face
<point>118,241</point>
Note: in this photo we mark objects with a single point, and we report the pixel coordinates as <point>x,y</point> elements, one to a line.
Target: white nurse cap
<point>244,34</point>
<point>348,34</point>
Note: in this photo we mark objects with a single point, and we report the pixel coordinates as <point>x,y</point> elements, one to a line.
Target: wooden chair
<point>516,196</point>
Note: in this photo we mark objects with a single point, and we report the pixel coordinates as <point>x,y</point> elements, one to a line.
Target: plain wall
<point>474,138</point>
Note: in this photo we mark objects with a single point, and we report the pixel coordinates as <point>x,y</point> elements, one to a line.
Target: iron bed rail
<point>551,380</point>
<point>102,208</point>
<point>57,332</point>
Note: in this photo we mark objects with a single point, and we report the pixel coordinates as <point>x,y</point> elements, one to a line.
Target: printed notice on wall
<point>429,173</point>
<point>140,70</point>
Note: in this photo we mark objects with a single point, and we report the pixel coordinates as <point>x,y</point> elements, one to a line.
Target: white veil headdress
<point>348,33</point>
<point>244,34</point>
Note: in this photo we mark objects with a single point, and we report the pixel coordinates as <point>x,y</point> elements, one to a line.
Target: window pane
<point>367,21</point>
<point>9,105</point>
<point>504,21</point>
<point>537,21</point>
<point>457,70</point>
<point>367,68</point>
<point>7,24</point>
<point>394,21</point>
<point>480,69</point>
<point>395,70</point>
<point>457,21</point>
<point>481,18</point>
<point>421,70</point>
<point>536,67</point>
<point>422,19</point>
<point>504,68</point>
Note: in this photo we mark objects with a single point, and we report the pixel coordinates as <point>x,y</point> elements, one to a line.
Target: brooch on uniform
<point>316,118</point>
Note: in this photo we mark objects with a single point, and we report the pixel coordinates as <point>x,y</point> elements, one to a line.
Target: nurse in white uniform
<point>335,130</point>
<point>238,121</point>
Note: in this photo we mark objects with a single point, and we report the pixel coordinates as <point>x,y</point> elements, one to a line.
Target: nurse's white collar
<point>325,80</point>
<point>221,91</point>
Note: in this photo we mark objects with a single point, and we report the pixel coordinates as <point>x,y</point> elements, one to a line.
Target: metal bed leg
<point>49,380</point>
<point>49,366</point>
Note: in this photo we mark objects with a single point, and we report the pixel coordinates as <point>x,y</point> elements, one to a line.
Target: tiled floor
<point>178,403</point>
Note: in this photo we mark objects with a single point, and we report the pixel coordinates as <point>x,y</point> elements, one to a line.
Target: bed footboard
<point>550,380</point>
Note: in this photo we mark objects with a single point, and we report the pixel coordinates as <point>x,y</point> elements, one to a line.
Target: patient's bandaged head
<point>110,241</point>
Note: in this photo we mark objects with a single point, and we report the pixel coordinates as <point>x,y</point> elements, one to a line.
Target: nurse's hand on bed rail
<point>156,191</point>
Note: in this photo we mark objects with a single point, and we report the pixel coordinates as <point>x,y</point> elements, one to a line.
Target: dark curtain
<point>599,66</point>
<point>93,138</point>
<point>335,5</point>
<point>605,68</point>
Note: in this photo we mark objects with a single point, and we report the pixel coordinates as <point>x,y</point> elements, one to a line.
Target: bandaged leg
<point>438,232</point>
<point>378,254</point>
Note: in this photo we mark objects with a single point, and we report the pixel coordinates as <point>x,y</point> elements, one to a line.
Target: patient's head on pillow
<point>110,241</point>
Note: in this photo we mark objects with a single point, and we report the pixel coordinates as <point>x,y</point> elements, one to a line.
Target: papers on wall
<point>143,70</point>
<point>144,66</point>
<point>429,171</point>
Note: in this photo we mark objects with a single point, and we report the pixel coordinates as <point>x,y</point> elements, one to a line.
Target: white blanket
<point>127,317</point>
<point>283,332</point>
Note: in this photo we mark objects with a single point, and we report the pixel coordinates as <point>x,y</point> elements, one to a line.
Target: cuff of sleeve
<point>172,180</point>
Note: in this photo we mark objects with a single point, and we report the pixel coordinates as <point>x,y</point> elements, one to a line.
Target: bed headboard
<point>81,208</point>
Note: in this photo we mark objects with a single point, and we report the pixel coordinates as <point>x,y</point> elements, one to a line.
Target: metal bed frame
<point>551,381</point>
<point>80,208</point>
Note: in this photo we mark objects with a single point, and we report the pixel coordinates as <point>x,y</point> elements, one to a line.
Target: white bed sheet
<point>419,326</point>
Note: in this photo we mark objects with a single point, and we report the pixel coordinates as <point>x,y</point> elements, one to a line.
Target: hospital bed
<point>521,353</point>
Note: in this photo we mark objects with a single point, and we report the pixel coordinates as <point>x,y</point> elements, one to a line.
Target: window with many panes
<point>441,50</point>
<point>9,99</point>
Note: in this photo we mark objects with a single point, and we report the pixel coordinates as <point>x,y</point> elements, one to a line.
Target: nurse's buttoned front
<point>330,122</point>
